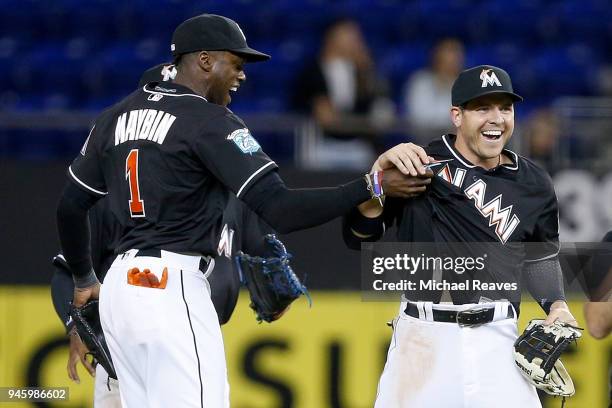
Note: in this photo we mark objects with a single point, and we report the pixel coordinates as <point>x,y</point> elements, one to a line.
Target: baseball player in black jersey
<point>242,231</point>
<point>168,156</point>
<point>480,192</point>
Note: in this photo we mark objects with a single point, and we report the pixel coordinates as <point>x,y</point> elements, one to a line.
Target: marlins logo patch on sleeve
<point>244,140</point>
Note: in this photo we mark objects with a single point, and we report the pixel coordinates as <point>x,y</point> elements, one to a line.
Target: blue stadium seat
<point>500,20</point>
<point>451,18</point>
<point>504,55</point>
<point>565,70</point>
<point>400,62</point>
<point>119,67</point>
<point>587,20</point>
<point>99,49</point>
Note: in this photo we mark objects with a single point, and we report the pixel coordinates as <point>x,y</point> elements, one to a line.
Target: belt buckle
<point>469,317</point>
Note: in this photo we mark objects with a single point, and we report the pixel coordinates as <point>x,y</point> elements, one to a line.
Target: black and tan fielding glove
<point>87,323</point>
<point>537,352</point>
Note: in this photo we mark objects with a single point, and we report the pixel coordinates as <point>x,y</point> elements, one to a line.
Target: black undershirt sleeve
<point>544,280</point>
<point>73,228</point>
<point>287,210</point>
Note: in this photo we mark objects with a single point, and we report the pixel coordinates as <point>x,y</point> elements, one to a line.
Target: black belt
<point>471,317</point>
<point>156,253</point>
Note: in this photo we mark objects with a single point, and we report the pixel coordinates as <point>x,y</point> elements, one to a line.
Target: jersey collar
<point>449,142</point>
<point>170,89</point>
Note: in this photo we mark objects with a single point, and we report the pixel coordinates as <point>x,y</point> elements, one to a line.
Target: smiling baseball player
<point>461,354</point>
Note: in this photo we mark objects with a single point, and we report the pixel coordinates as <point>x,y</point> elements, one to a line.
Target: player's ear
<point>456,115</point>
<point>205,60</point>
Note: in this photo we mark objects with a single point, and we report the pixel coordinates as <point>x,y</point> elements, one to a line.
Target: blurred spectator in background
<point>346,98</point>
<point>427,93</point>
<point>541,138</point>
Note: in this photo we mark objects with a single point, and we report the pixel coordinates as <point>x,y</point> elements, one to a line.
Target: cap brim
<point>251,55</point>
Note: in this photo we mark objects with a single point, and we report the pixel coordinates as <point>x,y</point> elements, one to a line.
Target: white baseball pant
<point>166,344</point>
<point>444,365</point>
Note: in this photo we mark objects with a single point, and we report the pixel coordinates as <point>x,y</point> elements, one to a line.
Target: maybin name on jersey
<point>145,124</point>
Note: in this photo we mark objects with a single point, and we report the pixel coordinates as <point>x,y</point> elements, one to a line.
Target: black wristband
<point>364,225</point>
<point>88,280</point>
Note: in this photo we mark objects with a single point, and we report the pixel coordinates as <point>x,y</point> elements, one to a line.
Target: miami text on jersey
<point>143,124</point>
<point>502,218</point>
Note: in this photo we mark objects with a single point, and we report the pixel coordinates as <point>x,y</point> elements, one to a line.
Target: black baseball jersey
<point>167,158</point>
<point>509,204</point>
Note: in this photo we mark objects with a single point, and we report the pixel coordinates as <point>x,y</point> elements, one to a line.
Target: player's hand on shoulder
<point>560,311</point>
<point>77,352</point>
<point>82,295</point>
<point>409,158</point>
<point>397,184</point>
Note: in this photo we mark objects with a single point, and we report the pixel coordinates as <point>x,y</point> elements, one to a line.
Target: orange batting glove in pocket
<point>147,279</point>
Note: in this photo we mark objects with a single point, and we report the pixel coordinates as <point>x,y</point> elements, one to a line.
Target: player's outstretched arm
<point>288,210</point>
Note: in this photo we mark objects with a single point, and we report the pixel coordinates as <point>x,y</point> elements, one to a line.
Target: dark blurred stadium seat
<point>69,54</point>
<point>98,49</point>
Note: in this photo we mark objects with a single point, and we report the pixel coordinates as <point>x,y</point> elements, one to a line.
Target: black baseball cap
<point>159,73</point>
<point>481,80</point>
<point>211,32</point>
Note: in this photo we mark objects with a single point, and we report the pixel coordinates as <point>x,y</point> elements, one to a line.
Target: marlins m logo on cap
<point>489,78</point>
<point>494,81</point>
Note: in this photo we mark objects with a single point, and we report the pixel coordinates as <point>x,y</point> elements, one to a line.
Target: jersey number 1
<point>131,174</point>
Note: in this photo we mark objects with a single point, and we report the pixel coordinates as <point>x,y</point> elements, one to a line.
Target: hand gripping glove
<point>537,352</point>
<point>271,282</point>
<point>87,322</point>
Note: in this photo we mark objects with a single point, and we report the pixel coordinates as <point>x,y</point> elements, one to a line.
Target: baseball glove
<point>537,352</point>
<point>87,322</point>
<point>271,282</point>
